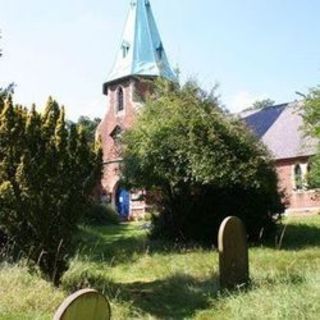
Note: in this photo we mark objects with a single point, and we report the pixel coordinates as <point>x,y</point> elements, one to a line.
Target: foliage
<point>202,163</point>
<point>313,177</point>
<point>311,112</point>
<point>311,116</point>
<point>47,174</point>
<point>261,104</point>
<point>5,93</point>
<point>100,214</point>
<point>89,127</point>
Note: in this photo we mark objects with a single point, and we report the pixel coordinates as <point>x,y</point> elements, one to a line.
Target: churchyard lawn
<point>152,280</point>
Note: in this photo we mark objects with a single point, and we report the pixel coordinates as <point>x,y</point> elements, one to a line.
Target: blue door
<point>123,203</point>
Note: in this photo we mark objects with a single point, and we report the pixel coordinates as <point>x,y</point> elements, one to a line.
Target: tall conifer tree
<point>47,174</point>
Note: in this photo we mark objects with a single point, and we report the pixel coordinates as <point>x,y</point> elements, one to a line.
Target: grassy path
<point>149,280</point>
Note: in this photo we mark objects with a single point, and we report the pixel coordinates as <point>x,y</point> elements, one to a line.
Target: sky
<point>254,49</point>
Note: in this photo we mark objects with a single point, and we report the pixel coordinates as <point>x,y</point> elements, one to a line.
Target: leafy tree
<point>89,127</point>
<point>200,165</point>
<point>47,174</point>
<point>311,112</point>
<point>261,104</point>
<point>311,117</point>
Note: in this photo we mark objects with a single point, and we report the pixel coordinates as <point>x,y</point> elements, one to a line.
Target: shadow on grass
<point>176,297</point>
<point>126,242</point>
<point>299,236</point>
<point>121,244</point>
<point>179,296</point>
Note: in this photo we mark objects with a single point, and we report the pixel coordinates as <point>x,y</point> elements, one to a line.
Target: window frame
<point>160,51</point>
<point>120,100</point>
<point>125,49</point>
<point>298,177</point>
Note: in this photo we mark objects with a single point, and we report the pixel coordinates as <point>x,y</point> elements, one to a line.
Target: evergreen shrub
<point>47,174</point>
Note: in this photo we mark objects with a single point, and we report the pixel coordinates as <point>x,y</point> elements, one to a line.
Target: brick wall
<point>123,119</point>
<point>298,200</point>
<point>134,92</point>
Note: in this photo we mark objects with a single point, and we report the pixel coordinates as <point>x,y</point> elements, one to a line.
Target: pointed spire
<point>141,51</point>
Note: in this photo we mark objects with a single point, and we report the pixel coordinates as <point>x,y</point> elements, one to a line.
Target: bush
<point>47,174</point>
<point>202,164</point>
<point>100,214</point>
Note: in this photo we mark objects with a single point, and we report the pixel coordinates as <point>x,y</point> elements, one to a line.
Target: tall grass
<point>152,280</point>
<point>24,295</point>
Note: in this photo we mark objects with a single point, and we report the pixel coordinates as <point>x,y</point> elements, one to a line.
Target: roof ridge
<point>285,105</point>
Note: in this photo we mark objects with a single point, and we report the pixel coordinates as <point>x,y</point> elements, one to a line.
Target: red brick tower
<point>140,56</point>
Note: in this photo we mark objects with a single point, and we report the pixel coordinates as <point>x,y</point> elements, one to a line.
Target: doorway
<point>123,203</point>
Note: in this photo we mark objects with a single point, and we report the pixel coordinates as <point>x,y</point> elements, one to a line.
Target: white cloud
<point>244,99</point>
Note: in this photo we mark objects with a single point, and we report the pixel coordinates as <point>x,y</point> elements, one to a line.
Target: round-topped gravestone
<point>85,304</point>
<point>233,253</point>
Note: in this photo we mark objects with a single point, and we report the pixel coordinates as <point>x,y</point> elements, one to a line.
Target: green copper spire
<point>141,52</point>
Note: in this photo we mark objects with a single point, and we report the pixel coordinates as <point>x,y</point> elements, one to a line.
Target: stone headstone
<point>233,254</point>
<point>85,304</point>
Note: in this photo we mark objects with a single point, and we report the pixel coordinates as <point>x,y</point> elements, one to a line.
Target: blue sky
<point>253,48</point>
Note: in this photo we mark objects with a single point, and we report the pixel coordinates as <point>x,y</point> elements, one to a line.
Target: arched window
<point>298,178</point>
<point>120,102</point>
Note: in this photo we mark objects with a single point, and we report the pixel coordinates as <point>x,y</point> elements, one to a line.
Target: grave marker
<point>233,253</point>
<point>85,304</point>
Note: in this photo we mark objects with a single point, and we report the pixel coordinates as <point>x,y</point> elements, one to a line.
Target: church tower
<point>141,56</point>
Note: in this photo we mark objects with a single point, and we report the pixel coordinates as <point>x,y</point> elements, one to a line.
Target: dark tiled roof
<point>261,121</point>
<point>280,128</point>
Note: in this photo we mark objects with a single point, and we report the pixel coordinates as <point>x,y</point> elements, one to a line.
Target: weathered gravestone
<point>233,254</point>
<point>85,304</point>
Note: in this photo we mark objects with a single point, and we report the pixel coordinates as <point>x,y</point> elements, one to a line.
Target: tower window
<point>298,178</point>
<point>160,51</point>
<point>120,100</point>
<point>116,134</point>
<point>125,49</point>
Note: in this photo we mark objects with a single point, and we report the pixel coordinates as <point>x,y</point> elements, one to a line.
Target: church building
<point>141,56</point>
<point>280,129</point>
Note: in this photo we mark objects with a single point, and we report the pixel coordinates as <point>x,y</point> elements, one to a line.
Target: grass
<point>152,280</point>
